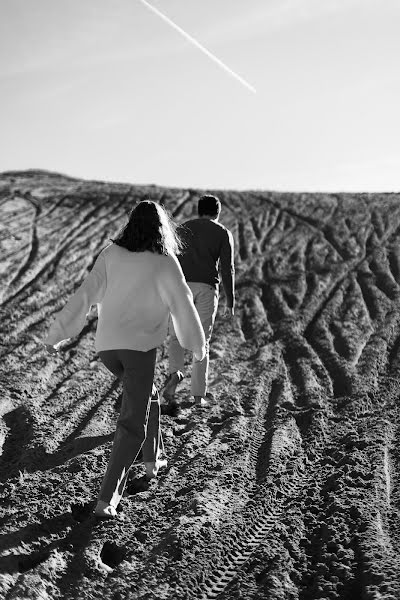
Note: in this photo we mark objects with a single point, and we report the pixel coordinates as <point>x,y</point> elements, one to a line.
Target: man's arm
<point>227,265</point>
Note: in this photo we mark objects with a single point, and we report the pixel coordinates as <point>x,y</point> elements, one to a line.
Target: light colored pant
<point>206,302</point>
<point>138,425</point>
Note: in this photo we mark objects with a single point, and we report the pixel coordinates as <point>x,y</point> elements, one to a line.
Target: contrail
<point>199,46</point>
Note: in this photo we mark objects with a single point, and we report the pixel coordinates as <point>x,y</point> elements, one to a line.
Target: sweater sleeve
<point>71,319</point>
<point>177,295</point>
<point>227,266</point>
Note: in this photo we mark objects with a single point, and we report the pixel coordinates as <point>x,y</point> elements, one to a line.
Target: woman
<point>137,283</point>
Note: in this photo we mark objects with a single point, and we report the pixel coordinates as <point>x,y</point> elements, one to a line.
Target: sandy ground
<point>287,486</point>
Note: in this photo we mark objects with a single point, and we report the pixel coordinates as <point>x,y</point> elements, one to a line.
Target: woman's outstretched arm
<point>71,319</point>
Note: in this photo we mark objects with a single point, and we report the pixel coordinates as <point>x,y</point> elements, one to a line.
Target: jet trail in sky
<point>199,46</point>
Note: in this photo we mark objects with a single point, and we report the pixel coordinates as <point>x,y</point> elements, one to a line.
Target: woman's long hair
<point>149,228</point>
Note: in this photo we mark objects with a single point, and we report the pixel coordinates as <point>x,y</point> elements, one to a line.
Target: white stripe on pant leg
<point>116,495</point>
<point>155,395</point>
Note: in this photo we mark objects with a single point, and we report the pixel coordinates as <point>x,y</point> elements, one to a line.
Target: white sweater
<point>135,293</point>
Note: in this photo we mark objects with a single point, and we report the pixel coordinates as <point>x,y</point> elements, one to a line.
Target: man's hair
<point>209,205</point>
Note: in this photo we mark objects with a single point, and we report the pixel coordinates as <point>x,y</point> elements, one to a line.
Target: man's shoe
<point>200,401</point>
<point>170,387</point>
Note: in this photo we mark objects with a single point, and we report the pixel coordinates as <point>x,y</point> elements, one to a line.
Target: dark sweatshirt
<point>209,246</point>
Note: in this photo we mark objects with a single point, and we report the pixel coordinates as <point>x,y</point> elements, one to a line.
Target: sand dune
<point>287,487</point>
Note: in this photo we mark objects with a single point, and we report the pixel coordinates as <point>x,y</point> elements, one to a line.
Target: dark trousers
<point>138,425</point>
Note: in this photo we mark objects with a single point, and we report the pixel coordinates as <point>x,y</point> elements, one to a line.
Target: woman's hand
<point>200,355</point>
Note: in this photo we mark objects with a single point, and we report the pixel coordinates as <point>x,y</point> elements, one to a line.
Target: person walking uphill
<point>137,284</point>
<point>208,245</point>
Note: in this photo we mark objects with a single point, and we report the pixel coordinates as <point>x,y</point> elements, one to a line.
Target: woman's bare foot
<point>104,510</point>
<point>152,467</point>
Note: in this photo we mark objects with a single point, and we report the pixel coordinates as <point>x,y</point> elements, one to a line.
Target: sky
<point>106,89</point>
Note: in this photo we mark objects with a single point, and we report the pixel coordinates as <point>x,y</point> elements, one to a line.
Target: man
<point>208,246</point>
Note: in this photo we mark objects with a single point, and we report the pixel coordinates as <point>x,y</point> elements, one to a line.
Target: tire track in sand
<point>276,457</point>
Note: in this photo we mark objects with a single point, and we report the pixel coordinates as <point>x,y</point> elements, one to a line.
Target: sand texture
<point>287,486</point>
